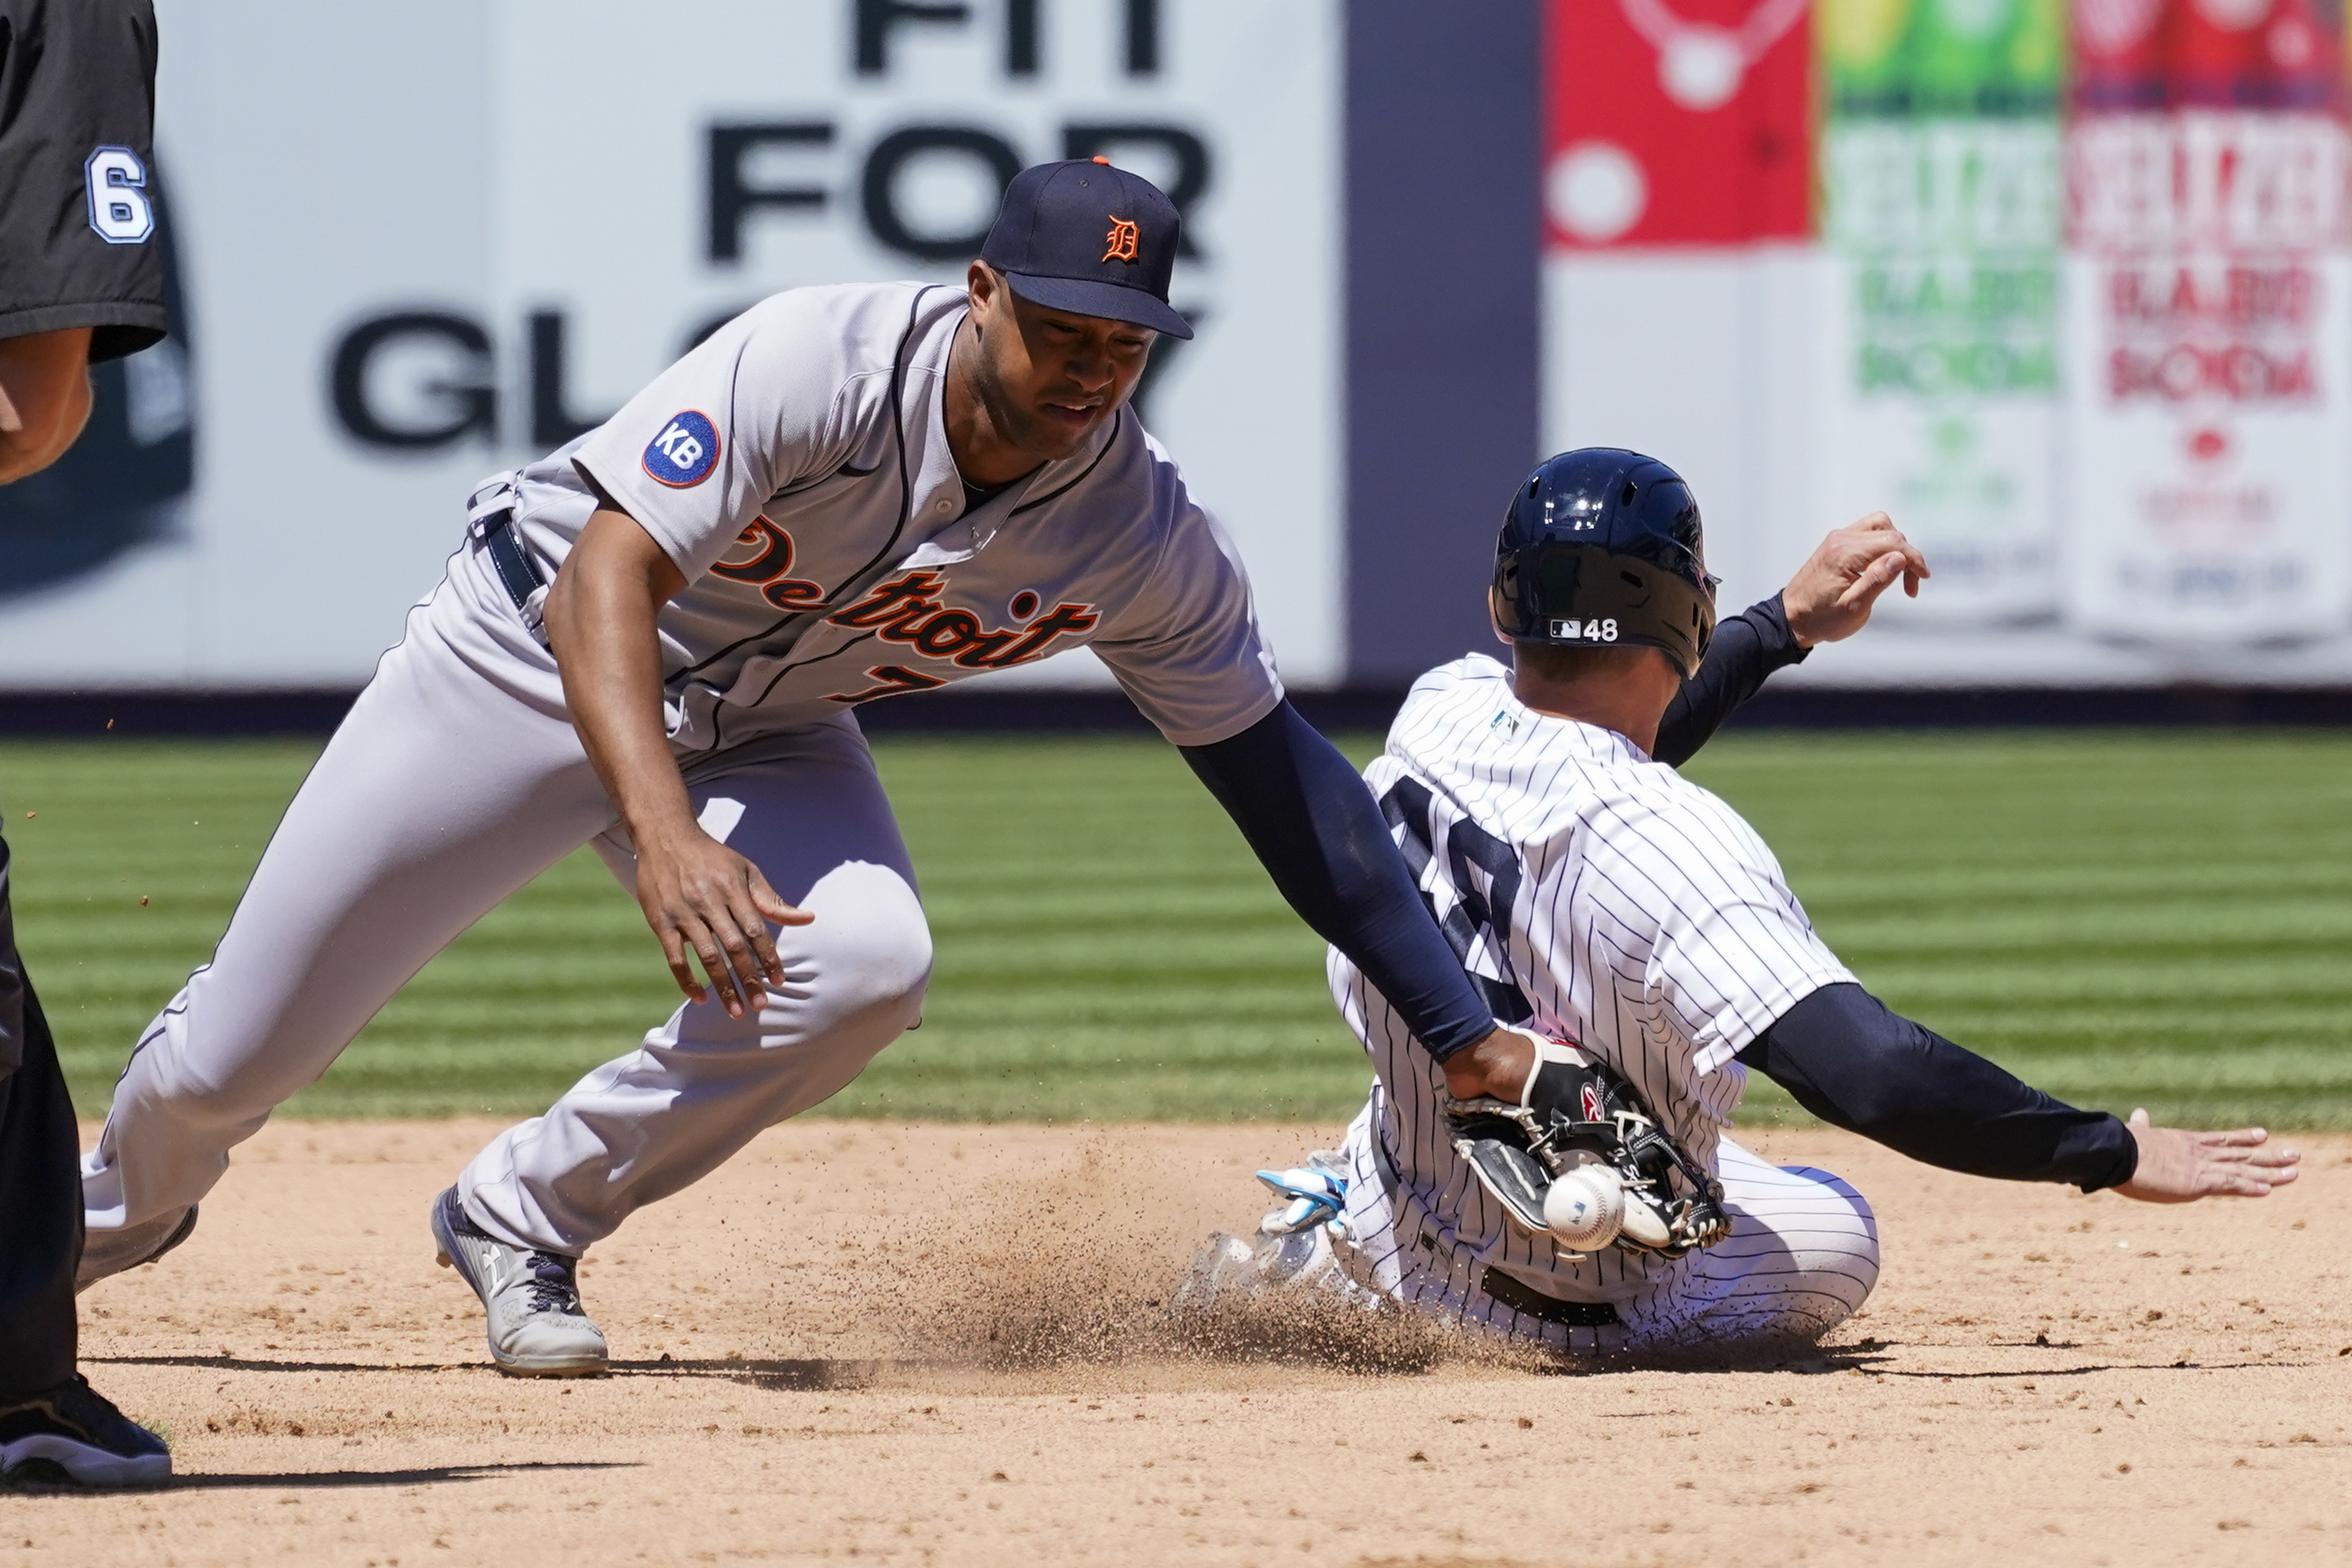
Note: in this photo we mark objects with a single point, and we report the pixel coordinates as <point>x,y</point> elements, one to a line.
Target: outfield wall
<point>2064,291</point>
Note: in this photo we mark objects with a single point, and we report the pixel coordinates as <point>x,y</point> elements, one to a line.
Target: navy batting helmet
<point>1600,548</point>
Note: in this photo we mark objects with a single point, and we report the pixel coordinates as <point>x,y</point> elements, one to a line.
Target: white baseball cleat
<point>1295,1252</point>
<point>106,1253</point>
<point>537,1326</point>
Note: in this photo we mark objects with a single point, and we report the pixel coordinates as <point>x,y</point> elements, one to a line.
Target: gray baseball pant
<point>454,780</point>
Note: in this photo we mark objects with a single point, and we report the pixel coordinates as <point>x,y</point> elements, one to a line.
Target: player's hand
<point>702,897</point>
<point>2177,1167</point>
<point>1496,1066</point>
<point>1829,598</point>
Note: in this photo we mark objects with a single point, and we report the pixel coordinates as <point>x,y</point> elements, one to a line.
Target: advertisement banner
<point>1678,205</point>
<point>2064,286</point>
<point>422,243</point>
<point>2207,184</point>
<point>1941,214</point>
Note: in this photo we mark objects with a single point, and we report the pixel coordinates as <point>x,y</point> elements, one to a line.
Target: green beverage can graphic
<point>1941,220</point>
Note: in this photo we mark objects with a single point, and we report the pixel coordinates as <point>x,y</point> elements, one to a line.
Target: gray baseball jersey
<point>795,468</point>
<point>1595,895</point>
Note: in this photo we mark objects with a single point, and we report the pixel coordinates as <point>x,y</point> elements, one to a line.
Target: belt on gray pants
<point>515,567</point>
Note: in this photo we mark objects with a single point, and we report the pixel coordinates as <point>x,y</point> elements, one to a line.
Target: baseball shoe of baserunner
<point>74,1429</point>
<point>1295,1252</point>
<point>537,1325</point>
<point>106,1253</point>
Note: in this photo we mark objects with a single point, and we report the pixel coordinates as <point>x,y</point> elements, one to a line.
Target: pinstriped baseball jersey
<point>1592,894</point>
<point>795,468</point>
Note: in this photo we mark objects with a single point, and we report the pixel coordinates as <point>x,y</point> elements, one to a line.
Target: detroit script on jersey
<point>908,610</point>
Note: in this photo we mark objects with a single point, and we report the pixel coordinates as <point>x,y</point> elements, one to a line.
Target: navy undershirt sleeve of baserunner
<point>1747,647</point>
<point>1851,1061</point>
<point>1321,836</point>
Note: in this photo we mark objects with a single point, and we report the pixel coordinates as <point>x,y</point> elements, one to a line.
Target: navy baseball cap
<point>1085,238</point>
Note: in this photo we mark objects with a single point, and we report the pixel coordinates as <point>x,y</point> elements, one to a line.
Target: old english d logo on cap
<point>1120,241</point>
<point>1089,238</point>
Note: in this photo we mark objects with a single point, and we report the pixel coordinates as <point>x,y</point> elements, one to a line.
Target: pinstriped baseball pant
<point>455,779</point>
<point>1802,1258</point>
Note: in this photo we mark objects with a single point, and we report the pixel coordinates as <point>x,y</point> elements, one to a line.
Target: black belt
<point>1523,1298</point>
<point>514,565</point>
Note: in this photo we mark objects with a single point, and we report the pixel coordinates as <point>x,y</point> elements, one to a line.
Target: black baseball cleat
<point>75,1431</point>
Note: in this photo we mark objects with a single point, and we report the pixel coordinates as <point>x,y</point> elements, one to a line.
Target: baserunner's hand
<point>2178,1167</point>
<point>1831,596</point>
<point>702,897</point>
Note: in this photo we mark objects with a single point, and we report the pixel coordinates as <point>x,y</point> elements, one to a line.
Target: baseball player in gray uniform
<point>1643,940</point>
<point>653,639</point>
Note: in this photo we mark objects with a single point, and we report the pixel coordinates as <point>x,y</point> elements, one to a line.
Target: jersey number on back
<point>1475,916</point>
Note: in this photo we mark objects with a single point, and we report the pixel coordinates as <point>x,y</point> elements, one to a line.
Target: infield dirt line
<point>942,1343</point>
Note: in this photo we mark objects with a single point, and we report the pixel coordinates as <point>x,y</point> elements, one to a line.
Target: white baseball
<point>1585,1207</point>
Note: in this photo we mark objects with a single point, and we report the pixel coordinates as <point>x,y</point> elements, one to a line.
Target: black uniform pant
<point>40,1184</point>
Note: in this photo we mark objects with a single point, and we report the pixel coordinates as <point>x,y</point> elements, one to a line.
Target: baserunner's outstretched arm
<point>1828,600</point>
<point>1853,1062</point>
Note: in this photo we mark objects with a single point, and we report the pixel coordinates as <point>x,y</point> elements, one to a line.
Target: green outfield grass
<point>2158,918</point>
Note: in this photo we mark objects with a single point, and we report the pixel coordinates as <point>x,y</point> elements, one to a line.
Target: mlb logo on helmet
<point>685,452</point>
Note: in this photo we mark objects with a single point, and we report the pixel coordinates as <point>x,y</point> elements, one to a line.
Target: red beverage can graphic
<point>2208,338</point>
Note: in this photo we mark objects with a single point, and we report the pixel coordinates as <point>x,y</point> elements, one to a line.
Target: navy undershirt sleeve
<point>1321,836</point>
<point>1747,647</point>
<point>1854,1064</point>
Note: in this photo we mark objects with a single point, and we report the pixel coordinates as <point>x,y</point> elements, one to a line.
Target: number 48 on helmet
<point>1601,548</point>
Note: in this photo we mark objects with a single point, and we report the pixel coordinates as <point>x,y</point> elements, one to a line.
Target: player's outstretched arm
<point>699,896</point>
<point>1849,1059</point>
<point>1831,596</point>
<point>1746,649</point>
<point>1830,599</point>
<point>1320,836</point>
<point>2178,1167</point>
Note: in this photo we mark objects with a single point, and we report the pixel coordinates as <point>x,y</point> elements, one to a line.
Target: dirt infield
<point>820,1355</point>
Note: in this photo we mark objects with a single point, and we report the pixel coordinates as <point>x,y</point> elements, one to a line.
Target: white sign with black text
<point>423,242</point>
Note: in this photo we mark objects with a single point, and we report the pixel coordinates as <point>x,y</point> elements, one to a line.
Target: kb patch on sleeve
<point>685,452</point>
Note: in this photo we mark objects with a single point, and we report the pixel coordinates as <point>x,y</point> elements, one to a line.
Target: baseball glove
<point>1623,1182</point>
